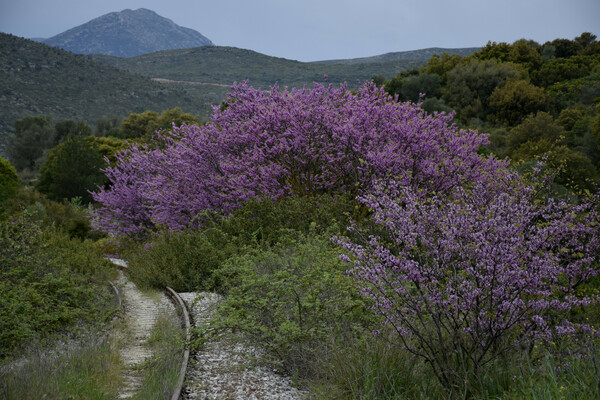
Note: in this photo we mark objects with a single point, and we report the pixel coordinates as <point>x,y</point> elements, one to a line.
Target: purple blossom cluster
<point>275,143</point>
<point>469,261</point>
<point>473,273</point>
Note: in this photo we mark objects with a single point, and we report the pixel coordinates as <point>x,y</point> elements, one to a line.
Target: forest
<point>434,234</point>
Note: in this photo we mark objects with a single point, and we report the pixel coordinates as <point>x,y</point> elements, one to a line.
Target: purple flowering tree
<point>469,261</point>
<point>470,274</point>
<point>275,143</point>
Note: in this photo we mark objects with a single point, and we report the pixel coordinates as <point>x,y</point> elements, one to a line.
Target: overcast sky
<point>310,30</point>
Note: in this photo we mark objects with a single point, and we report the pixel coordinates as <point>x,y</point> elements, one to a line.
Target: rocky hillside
<point>127,33</point>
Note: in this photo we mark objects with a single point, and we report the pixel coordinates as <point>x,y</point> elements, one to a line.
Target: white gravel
<point>223,369</point>
<point>141,312</point>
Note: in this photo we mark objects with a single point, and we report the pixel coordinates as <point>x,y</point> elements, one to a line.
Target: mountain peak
<point>128,33</point>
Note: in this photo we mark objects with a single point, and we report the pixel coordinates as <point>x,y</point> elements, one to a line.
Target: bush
<point>9,182</point>
<point>70,170</point>
<point>185,261</point>
<point>266,222</point>
<point>66,216</point>
<point>182,261</point>
<point>474,275</point>
<point>48,284</point>
<point>284,143</point>
<point>295,300</point>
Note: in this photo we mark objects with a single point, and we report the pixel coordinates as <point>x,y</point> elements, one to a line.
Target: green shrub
<point>294,299</point>
<point>71,169</point>
<point>67,216</point>
<point>48,284</point>
<point>185,261</point>
<point>265,222</point>
<point>9,182</point>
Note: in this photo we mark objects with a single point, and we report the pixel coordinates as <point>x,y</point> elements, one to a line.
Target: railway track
<point>223,368</point>
<point>186,354</point>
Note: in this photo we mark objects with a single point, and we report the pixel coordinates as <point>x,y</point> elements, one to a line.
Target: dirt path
<point>164,80</point>
<point>141,311</point>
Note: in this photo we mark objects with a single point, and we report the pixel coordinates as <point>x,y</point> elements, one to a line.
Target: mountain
<point>127,33</point>
<point>39,79</point>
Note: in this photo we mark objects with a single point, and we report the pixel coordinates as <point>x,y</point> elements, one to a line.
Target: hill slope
<point>422,54</point>
<point>127,34</point>
<point>38,79</point>
<point>224,65</point>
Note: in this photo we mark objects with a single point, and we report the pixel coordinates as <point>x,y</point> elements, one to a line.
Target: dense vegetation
<point>534,100</point>
<point>55,299</point>
<point>462,274</point>
<point>460,261</point>
<point>51,283</point>
<point>225,65</point>
<point>9,182</point>
<point>69,156</point>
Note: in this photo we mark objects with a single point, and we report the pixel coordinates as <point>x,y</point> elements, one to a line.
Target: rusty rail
<point>186,322</point>
<point>186,354</point>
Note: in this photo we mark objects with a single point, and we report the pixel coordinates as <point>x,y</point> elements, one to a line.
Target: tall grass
<point>377,368</point>
<point>86,369</point>
<point>161,371</point>
<point>373,368</point>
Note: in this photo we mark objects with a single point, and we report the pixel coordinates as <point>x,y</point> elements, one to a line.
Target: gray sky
<point>310,30</point>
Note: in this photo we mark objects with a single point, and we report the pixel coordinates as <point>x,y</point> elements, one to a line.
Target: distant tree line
<point>535,100</point>
<point>67,156</point>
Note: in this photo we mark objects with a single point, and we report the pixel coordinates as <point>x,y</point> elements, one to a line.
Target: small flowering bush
<point>323,140</point>
<point>466,276</point>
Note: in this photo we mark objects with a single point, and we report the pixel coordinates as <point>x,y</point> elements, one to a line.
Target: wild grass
<point>87,368</point>
<point>378,368</point>
<point>161,371</point>
<point>372,368</point>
